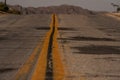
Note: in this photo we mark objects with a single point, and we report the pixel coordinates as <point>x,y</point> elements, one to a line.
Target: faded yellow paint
<point>40,69</point>
<point>39,72</point>
<point>57,62</point>
<point>58,71</point>
<point>24,70</point>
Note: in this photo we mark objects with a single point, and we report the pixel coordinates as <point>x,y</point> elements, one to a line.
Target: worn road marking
<point>24,71</point>
<point>58,65</point>
<point>49,65</point>
<point>45,64</point>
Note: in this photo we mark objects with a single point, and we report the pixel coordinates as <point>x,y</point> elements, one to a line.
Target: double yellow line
<point>39,72</point>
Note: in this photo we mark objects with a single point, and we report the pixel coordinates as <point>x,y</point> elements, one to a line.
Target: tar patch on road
<point>3,38</point>
<point>3,70</point>
<point>66,29</point>
<point>99,50</point>
<point>42,28</point>
<point>82,38</point>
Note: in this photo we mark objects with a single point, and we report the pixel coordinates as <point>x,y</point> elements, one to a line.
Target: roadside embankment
<point>114,15</point>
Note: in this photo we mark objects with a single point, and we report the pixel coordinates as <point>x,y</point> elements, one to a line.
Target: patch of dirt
<point>114,15</point>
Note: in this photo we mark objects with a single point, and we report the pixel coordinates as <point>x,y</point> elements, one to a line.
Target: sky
<point>96,5</point>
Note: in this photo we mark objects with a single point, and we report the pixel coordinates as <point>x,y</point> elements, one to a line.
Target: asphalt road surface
<point>19,35</point>
<point>59,47</point>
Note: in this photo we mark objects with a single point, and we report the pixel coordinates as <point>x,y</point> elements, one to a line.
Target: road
<point>59,47</point>
<point>19,35</point>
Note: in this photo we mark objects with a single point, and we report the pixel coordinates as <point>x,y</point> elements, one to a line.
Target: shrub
<point>13,11</point>
<point>118,9</point>
<point>3,7</point>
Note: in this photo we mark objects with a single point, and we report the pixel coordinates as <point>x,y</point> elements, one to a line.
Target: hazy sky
<point>99,5</point>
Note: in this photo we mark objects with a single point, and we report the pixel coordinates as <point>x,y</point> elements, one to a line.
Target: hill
<point>62,9</point>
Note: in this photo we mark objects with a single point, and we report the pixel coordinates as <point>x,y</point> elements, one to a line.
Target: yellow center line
<point>25,69</point>
<point>40,69</point>
<point>39,72</point>
<point>57,62</point>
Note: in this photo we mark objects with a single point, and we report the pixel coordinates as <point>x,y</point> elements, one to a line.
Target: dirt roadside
<point>114,15</point>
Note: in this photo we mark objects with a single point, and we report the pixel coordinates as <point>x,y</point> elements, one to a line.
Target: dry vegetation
<point>6,9</point>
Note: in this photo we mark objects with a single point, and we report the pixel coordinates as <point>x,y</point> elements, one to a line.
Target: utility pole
<point>5,2</point>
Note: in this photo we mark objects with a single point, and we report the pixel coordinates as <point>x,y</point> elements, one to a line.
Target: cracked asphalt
<point>19,35</point>
<point>89,45</point>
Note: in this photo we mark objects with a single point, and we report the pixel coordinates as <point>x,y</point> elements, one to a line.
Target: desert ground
<point>89,45</point>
